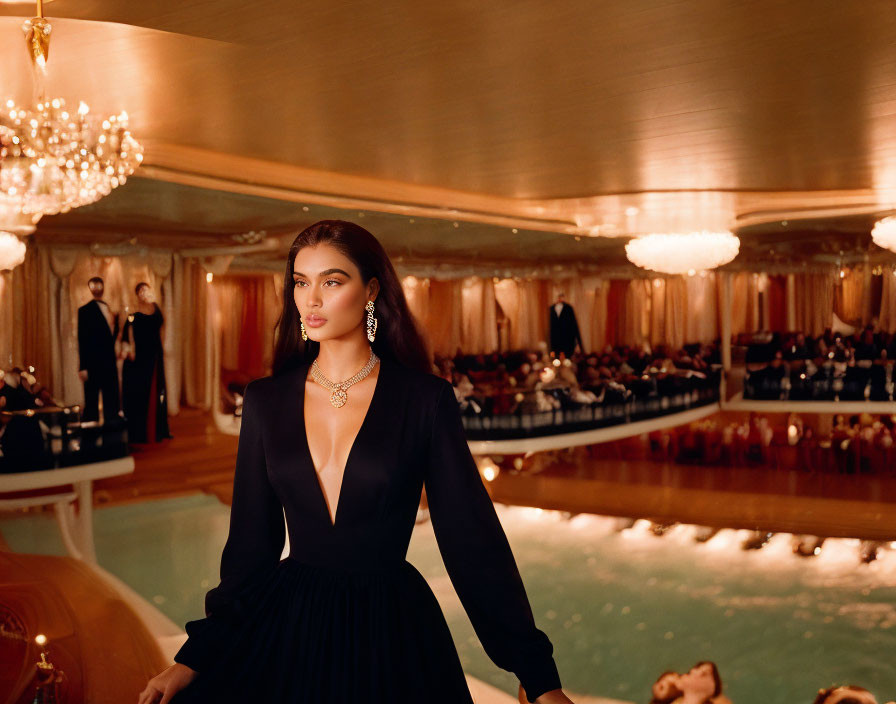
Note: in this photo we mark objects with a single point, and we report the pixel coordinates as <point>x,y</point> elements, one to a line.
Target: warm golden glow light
<point>680,252</point>
<point>52,161</point>
<point>12,251</point>
<point>884,233</point>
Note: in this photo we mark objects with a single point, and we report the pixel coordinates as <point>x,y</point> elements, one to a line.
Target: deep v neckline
<point>348,459</point>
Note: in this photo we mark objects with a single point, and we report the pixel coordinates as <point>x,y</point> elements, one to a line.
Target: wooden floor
<point>198,458</point>
<point>201,458</point>
<point>828,506</point>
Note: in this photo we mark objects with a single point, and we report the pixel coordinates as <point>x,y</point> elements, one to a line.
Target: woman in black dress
<point>345,618</point>
<point>143,396</point>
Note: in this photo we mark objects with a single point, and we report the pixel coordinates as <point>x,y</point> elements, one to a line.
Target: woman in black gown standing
<point>345,618</point>
<point>143,395</point>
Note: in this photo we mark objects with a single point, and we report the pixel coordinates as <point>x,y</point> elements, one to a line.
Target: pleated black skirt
<point>309,633</point>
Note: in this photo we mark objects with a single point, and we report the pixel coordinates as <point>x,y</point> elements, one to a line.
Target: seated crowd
<point>831,367</point>
<point>857,444</point>
<point>22,435</point>
<point>39,432</point>
<point>522,389</point>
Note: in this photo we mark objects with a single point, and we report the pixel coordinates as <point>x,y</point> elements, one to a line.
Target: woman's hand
<point>166,684</point>
<point>555,696</point>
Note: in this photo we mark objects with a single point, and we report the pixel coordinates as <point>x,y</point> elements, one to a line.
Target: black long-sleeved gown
<point>143,379</point>
<point>345,618</point>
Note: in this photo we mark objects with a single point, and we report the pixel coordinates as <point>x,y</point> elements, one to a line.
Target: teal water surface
<point>619,607</point>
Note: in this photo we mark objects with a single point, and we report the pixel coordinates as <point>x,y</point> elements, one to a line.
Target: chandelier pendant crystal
<point>682,252</point>
<point>53,159</point>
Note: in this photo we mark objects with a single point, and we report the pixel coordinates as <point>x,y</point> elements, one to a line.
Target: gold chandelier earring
<point>304,332</point>
<point>371,321</point>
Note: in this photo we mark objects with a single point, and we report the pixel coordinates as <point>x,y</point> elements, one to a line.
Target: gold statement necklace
<point>339,389</point>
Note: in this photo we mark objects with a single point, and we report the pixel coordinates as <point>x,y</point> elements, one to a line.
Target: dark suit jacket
<point>565,329</point>
<point>17,399</point>
<point>96,343</point>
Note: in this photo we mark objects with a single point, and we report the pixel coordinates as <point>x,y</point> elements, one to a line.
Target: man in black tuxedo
<point>564,328</point>
<point>97,332</point>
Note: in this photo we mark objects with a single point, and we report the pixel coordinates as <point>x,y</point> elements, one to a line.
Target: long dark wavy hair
<point>672,696</point>
<point>398,337</point>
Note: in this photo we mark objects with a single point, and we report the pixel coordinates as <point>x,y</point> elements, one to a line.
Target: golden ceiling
<point>595,119</point>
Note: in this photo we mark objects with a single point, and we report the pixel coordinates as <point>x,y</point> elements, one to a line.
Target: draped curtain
<point>888,301</point>
<point>249,308</point>
<point>7,316</point>
<point>608,311</point>
<point>776,295</point>
<point>599,311</point>
<point>656,311</point>
<point>848,303</point>
<point>744,302</point>
<point>615,299</point>
<point>675,307</point>
<point>202,316</point>
<point>227,320</point>
<point>479,325</point>
<point>443,322</point>
<point>230,306</point>
<point>814,301</point>
<point>509,297</point>
<point>35,293</point>
<point>416,293</point>
<point>636,312</point>
<point>536,297</point>
<point>702,319</point>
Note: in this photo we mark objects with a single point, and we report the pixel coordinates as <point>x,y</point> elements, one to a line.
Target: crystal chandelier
<point>682,252</point>
<point>53,159</point>
<point>884,233</point>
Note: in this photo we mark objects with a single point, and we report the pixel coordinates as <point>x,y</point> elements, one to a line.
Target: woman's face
<point>666,686</point>
<point>699,680</point>
<point>329,293</point>
<point>146,294</point>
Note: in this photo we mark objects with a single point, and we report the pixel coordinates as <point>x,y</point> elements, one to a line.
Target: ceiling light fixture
<point>681,252</point>
<point>51,159</point>
<point>12,251</point>
<point>884,233</point>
